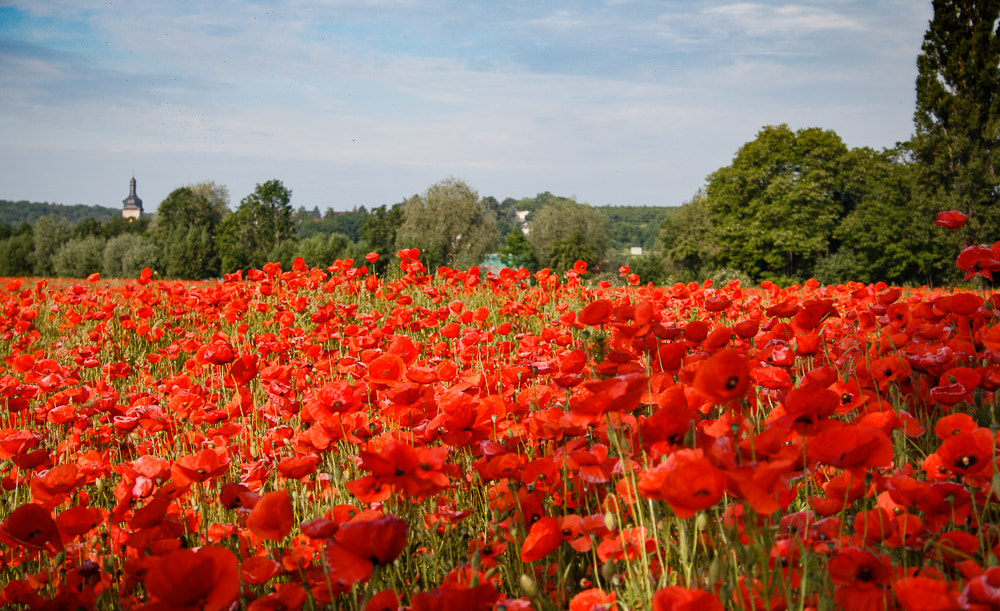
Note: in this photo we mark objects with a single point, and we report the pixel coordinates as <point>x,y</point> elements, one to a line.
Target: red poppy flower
<point>982,592</point>
<point>979,260</point>
<point>594,599</point>
<point>207,578</point>
<point>968,453</point>
<point>297,467</point>
<point>925,594</point>
<point>678,598</point>
<point>724,377</point>
<point>272,517</point>
<point>199,467</point>
<point>386,600</point>
<point>950,219</point>
<point>76,521</point>
<point>596,313</point>
<point>287,597</point>
<point>580,266</point>
<point>850,447</point>
<point>362,543</point>
<point>686,480</point>
<point>258,570</point>
<point>32,526</point>
<point>543,538</point>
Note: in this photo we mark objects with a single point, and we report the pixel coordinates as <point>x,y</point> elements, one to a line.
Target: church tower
<point>133,205</point>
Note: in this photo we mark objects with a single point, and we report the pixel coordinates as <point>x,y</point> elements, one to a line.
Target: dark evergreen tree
<point>957,119</point>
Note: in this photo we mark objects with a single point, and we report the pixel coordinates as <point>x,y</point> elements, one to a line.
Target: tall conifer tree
<point>957,118</point>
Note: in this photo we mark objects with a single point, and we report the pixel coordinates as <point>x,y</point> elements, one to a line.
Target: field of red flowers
<point>318,438</point>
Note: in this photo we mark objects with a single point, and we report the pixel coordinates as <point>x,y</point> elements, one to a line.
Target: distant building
<point>133,205</point>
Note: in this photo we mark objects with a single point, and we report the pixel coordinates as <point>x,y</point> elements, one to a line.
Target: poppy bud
<point>609,570</point>
<point>609,521</point>
<point>528,586</point>
<point>714,570</point>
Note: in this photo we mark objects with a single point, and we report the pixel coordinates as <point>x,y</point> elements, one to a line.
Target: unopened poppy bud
<point>714,571</point>
<point>701,521</point>
<point>528,586</point>
<point>609,570</point>
<point>609,521</point>
<point>689,439</point>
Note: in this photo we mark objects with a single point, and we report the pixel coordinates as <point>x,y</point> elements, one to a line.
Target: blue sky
<point>352,102</point>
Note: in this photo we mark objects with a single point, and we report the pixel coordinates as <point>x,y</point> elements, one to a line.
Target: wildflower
<point>950,219</point>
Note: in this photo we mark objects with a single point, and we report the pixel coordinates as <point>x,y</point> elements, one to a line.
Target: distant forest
<point>15,213</point>
<point>194,234</point>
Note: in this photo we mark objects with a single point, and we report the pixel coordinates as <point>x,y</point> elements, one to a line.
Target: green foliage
<point>688,242</point>
<point>216,195</point>
<point>773,210</point>
<point>630,226</point>
<point>189,253</point>
<point>957,118</point>
<point>263,220</point>
<point>885,235</point>
<point>139,257</point>
<point>127,254</point>
<point>284,252</point>
<point>449,225</point>
<point>516,251</point>
<point>379,234</point>
<point>347,223</point>
<point>50,234</point>
<point>322,251</point>
<point>563,228</point>
<point>649,267</point>
<point>185,208</point>
<point>15,213</point>
<point>16,254</point>
<point>79,257</point>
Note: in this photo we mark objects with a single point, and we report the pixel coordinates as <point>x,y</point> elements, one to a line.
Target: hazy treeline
<point>195,234</point>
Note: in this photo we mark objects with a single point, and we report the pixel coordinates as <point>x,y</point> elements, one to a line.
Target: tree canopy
<point>262,221</point>
<point>449,225</point>
<point>957,118</point>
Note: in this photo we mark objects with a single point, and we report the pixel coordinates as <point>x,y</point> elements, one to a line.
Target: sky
<point>368,102</point>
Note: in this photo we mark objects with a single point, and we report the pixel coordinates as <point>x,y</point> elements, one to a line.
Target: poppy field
<point>329,438</point>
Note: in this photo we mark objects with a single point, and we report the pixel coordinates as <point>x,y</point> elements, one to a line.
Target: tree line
<point>195,235</point>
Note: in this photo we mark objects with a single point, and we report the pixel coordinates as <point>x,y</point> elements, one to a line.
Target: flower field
<point>325,438</point>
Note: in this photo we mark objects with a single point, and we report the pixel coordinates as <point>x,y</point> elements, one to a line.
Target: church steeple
<point>133,205</point>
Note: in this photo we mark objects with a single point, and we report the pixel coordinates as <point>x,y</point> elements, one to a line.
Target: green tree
<point>140,256</point>
<point>689,248</point>
<point>880,237</point>
<point>190,254</point>
<point>957,118</point>
<point>79,257</point>
<point>378,233</point>
<point>50,234</point>
<point>119,248</point>
<point>185,207</point>
<point>322,251</point>
<point>262,221</point>
<point>516,251</point>
<point>773,210</point>
<point>16,254</point>
<point>563,228</point>
<point>449,225</point>
<point>217,197</point>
